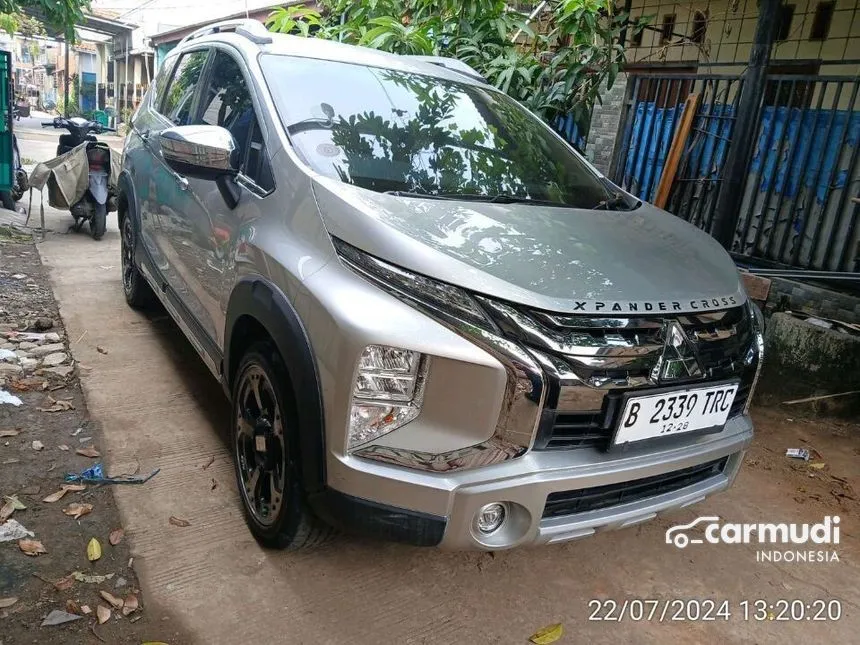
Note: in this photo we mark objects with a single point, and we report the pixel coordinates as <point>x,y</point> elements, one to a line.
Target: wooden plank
<point>673,159</point>
<point>756,286</point>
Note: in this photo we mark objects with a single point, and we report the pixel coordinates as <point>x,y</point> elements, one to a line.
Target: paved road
<point>159,407</point>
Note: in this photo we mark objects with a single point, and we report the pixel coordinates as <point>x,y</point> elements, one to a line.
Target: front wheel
<point>98,224</point>
<point>138,293</point>
<point>265,450</point>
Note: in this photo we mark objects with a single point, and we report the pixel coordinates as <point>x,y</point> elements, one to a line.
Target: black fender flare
<point>257,297</point>
<point>125,185</point>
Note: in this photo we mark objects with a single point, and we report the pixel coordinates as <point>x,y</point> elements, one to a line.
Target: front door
<point>179,201</point>
<point>215,232</point>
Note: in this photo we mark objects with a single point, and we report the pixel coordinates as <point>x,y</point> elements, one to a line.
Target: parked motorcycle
<point>79,131</point>
<point>82,178</point>
<point>20,183</point>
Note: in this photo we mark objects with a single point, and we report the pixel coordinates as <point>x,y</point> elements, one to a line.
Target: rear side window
<point>226,102</point>
<point>179,98</point>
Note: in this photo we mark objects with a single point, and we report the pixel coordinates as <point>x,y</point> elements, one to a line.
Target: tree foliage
<point>62,15</point>
<point>560,68</point>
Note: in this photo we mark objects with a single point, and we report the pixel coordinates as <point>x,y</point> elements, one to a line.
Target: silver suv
<point>435,321</point>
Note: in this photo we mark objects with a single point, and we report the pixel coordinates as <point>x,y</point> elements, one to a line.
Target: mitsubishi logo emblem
<point>679,360</point>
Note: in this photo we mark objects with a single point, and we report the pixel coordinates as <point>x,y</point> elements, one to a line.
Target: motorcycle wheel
<point>22,184</point>
<point>7,200</point>
<point>98,225</point>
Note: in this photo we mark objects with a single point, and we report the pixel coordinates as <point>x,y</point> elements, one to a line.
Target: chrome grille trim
<point>589,366</point>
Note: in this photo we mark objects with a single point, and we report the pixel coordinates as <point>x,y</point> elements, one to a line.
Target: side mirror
<point>200,151</point>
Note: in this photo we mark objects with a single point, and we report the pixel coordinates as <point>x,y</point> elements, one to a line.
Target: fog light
<point>490,517</point>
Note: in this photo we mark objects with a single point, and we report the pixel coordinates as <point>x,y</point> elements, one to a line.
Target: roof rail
<point>253,30</point>
<point>453,64</point>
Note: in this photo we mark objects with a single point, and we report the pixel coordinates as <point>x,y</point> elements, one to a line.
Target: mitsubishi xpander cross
<point>434,320</point>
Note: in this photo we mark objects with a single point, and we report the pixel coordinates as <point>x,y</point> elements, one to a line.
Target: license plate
<point>675,412</point>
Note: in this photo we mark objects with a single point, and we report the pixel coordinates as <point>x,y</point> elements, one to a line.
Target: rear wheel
<point>265,450</point>
<point>98,224</point>
<point>138,294</point>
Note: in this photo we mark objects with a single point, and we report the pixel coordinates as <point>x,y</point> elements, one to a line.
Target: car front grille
<point>591,362</point>
<point>583,500</point>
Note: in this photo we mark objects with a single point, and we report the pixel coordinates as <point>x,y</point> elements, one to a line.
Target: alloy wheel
<point>259,445</point>
<point>128,267</point>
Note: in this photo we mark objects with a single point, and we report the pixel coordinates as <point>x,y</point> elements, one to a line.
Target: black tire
<point>22,184</point>
<point>98,224</point>
<point>7,200</point>
<point>291,525</point>
<point>138,293</point>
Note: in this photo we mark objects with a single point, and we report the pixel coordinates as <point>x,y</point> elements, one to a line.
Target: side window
<point>179,98</point>
<point>227,103</point>
<point>160,83</point>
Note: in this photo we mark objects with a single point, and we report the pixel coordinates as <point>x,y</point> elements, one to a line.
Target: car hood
<point>556,259</point>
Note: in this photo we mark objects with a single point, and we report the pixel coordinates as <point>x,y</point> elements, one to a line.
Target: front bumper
<point>427,509</point>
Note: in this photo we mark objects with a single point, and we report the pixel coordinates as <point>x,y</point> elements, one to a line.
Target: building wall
<point>605,124</point>
<point>725,49</point>
<point>730,29</point>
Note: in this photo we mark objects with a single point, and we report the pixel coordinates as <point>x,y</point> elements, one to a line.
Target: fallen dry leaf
<point>130,605</point>
<point>64,584</point>
<point>85,610</point>
<point>5,603</point>
<point>103,614</point>
<point>57,405</point>
<point>94,550</point>
<point>547,635</point>
<point>176,521</point>
<point>63,447</point>
<point>6,511</point>
<point>31,547</point>
<point>818,465</point>
<point>37,445</point>
<point>88,452</point>
<point>116,536</point>
<point>82,577</point>
<point>9,433</point>
<point>115,602</point>
<point>101,350</point>
<point>65,488</point>
<point>77,510</point>
<point>73,608</point>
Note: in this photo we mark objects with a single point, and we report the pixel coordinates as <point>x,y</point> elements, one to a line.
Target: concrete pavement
<point>159,407</point>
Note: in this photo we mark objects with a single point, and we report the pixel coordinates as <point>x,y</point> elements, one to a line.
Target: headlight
<point>442,297</point>
<point>387,394</point>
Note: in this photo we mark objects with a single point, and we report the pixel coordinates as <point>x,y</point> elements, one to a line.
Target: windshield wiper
<point>409,193</point>
<point>617,202</point>
<point>501,198</point>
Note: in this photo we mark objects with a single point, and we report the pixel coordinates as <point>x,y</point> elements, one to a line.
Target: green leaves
<point>293,20</point>
<point>558,69</point>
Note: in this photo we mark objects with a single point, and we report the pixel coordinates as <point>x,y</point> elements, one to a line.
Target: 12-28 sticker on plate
<point>675,412</point>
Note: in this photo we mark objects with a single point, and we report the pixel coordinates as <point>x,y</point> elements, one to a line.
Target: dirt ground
<point>157,405</point>
<point>42,583</point>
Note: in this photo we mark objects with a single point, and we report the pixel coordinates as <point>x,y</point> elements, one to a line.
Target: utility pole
<point>727,209</point>
<point>66,79</point>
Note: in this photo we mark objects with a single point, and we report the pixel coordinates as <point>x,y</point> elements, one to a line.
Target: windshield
<point>394,131</point>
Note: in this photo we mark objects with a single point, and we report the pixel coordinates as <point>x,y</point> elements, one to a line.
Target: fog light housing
<point>387,393</point>
<point>490,518</point>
